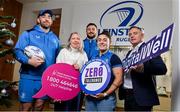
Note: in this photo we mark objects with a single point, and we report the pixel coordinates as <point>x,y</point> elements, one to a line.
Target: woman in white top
<point>74,55</point>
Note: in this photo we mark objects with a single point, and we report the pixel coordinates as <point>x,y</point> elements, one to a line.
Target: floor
<point>48,107</point>
<point>165,102</point>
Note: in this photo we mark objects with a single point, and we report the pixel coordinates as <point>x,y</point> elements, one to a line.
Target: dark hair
<point>91,24</point>
<point>105,32</point>
<point>141,29</point>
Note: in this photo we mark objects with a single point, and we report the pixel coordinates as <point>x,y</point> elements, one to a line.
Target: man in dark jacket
<point>139,86</point>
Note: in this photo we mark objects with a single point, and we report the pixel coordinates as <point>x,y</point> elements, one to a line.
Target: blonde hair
<point>81,42</point>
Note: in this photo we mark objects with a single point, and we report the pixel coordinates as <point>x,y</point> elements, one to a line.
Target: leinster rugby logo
<point>95,76</point>
<point>117,18</point>
<point>127,13</point>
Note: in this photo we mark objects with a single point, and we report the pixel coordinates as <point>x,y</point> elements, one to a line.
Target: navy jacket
<point>144,84</point>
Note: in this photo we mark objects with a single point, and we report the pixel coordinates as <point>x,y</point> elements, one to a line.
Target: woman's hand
<point>76,66</point>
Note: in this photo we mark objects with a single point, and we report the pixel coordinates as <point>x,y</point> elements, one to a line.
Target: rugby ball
<point>34,51</point>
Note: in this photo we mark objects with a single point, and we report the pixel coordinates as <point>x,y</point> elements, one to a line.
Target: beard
<point>91,36</point>
<point>45,25</point>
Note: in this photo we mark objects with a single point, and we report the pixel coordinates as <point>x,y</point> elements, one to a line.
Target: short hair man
<point>90,44</point>
<point>90,47</point>
<point>139,86</point>
<point>32,67</point>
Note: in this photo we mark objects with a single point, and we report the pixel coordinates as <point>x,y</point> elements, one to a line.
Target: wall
<point>76,15</point>
<point>29,18</point>
<point>175,58</point>
<point>158,14</point>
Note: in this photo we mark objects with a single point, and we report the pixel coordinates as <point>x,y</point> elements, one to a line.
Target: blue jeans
<point>106,104</point>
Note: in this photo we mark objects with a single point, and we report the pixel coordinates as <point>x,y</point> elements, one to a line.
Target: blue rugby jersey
<point>113,61</point>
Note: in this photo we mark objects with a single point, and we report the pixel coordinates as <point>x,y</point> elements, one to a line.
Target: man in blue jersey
<point>32,67</point>
<point>90,45</point>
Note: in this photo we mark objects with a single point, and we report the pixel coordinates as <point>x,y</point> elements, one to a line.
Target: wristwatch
<point>105,94</point>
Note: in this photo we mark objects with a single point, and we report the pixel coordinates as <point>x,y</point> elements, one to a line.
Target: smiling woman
<point>75,56</point>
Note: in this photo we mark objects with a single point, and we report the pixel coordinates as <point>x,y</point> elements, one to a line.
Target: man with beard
<point>90,45</point>
<point>32,67</point>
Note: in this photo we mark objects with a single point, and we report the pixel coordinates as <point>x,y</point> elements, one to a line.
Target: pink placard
<point>59,81</point>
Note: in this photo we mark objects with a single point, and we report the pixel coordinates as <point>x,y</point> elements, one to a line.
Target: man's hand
<point>35,61</point>
<point>138,68</point>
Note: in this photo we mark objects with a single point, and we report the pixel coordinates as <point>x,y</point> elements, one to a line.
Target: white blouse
<point>72,56</point>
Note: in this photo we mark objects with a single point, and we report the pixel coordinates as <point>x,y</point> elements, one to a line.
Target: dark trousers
<point>74,104</point>
<point>130,103</point>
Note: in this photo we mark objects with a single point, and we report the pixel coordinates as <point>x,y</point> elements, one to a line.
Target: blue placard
<point>95,76</point>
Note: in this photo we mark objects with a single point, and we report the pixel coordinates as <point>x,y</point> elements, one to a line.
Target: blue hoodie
<point>47,42</point>
<point>90,47</point>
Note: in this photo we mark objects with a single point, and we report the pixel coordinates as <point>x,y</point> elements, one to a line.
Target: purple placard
<point>60,81</point>
<point>152,48</point>
<point>95,76</point>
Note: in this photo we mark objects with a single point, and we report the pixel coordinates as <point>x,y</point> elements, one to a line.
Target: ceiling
<point>32,1</point>
<point>36,1</point>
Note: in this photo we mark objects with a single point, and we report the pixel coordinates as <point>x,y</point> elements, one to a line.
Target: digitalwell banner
<point>152,48</point>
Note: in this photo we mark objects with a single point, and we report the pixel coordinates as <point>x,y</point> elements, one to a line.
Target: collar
<point>105,53</point>
<point>38,28</point>
<point>91,39</point>
<point>137,47</point>
<point>73,49</point>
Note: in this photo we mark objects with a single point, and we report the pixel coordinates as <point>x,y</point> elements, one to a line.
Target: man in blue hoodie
<point>32,67</point>
<point>90,44</point>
